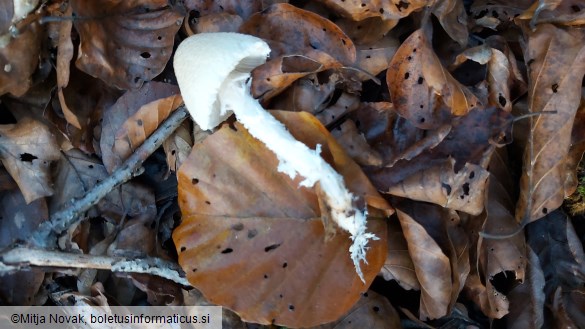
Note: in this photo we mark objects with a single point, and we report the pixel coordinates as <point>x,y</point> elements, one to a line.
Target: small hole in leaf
<point>281,296</point>
<point>238,227</point>
<point>139,122</point>
<point>173,152</point>
<point>271,247</point>
<point>207,202</point>
<point>265,276</point>
<point>492,249</point>
<point>343,41</point>
<point>447,187</point>
<point>194,270</point>
<point>27,157</point>
<point>252,234</point>
<point>420,80</point>
<point>414,50</point>
<point>267,79</point>
<point>194,181</point>
<point>324,30</point>
<point>381,10</point>
<point>90,166</point>
<point>284,265</point>
<point>502,100</point>
<point>365,294</point>
<point>421,120</point>
<point>183,249</point>
<point>409,58</point>
<point>368,56</point>
<point>137,79</point>
<point>544,211</point>
<point>406,75</point>
<point>363,4</point>
<point>159,38</point>
<point>466,188</point>
<point>376,309</point>
<point>145,55</point>
<point>555,87</point>
<point>227,251</point>
<point>421,106</point>
<point>575,8</point>
<point>471,175</point>
<point>291,307</point>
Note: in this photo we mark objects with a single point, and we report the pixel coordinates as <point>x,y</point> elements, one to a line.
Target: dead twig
<point>20,258</point>
<point>45,235</point>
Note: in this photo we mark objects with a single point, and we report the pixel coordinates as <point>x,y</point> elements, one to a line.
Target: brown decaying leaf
<point>235,7</point>
<point>356,145</point>
<point>220,22</point>
<point>19,220</point>
<point>463,190</point>
<point>422,90</point>
<point>527,299</point>
<point>556,60</point>
<point>253,240</point>
<point>26,150</point>
<point>399,265</point>
<point>359,10</point>
<point>431,266</point>
<point>125,43</point>
<point>453,19</point>
<point>374,58</point>
<point>143,123</point>
<point>18,60</point>
<point>271,78</point>
<point>368,31</point>
<point>291,30</point>
<point>371,311</point>
<point>562,12</point>
<point>306,94</point>
<point>178,146</point>
<point>64,55</point>
<point>345,104</point>
<point>125,108</point>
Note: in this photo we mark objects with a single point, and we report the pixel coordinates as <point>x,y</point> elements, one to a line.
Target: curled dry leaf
<point>291,30</point>
<point>562,12</point>
<point>220,22</point>
<point>125,43</point>
<point>422,90</point>
<point>129,106</point>
<point>235,242</point>
<point>399,265</point>
<point>143,123</point>
<point>306,94</point>
<point>462,190</point>
<point>556,60</point>
<point>271,78</point>
<point>235,7</point>
<point>453,19</point>
<point>178,146</point>
<point>431,265</point>
<point>26,151</point>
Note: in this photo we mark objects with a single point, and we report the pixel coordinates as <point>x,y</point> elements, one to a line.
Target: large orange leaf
<point>556,62</point>
<point>125,43</point>
<point>252,240</point>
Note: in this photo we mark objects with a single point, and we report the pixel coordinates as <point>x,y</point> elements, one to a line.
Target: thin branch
<point>45,235</point>
<point>19,258</point>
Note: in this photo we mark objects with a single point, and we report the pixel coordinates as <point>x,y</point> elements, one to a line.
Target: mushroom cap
<point>202,64</point>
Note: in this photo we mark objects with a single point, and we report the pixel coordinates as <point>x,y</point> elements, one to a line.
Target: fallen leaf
<point>125,43</point>
<point>125,108</point>
<point>358,10</point>
<point>26,150</point>
<point>178,146</point>
<point>356,145</point>
<point>399,265</point>
<point>235,241</point>
<point>453,19</point>
<point>421,88</point>
<point>19,59</point>
<point>243,9</point>
<point>556,59</point>
<point>294,30</point>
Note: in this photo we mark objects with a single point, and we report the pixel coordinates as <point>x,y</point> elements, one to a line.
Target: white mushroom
<point>213,72</point>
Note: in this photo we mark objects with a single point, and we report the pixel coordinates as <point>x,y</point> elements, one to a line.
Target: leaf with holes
<point>252,240</point>
<point>422,90</point>
<point>26,150</point>
<point>556,60</point>
<point>125,43</point>
<point>359,10</point>
<point>291,30</point>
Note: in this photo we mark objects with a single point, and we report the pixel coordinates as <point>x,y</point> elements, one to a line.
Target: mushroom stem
<point>296,158</point>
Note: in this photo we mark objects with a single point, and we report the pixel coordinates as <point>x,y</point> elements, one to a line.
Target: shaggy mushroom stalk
<point>213,73</point>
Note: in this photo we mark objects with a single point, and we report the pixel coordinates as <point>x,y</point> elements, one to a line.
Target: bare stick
<point>20,258</point>
<point>45,235</point>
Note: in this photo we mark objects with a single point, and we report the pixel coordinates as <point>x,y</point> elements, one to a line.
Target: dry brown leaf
<point>178,146</point>
<point>64,55</point>
<point>556,59</point>
<point>359,10</point>
<point>564,12</point>
<point>345,104</point>
<point>307,94</point>
<point>271,78</point>
<point>368,31</point>
<point>220,22</point>
<point>125,108</point>
<point>453,19</point>
<point>356,145</point>
<point>291,30</point>
<point>371,311</point>
<point>399,265</point>
<point>421,88</point>
<point>463,190</point>
<point>26,150</point>
<point>374,58</point>
<point>125,43</point>
<point>243,9</point>
<point>235,242</point>
<point>143,123</point>
<point>19,59</point>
